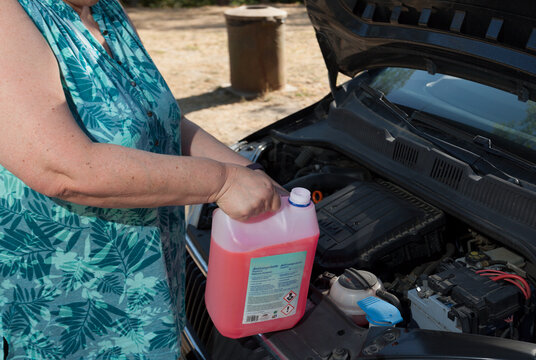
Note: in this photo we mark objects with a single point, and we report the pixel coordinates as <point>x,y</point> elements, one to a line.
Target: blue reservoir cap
<point>380,312</point>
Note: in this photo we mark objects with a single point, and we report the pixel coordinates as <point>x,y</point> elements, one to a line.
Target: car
<point>422,168</point>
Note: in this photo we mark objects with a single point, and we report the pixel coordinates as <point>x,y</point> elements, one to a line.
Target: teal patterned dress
<point>79,282</point>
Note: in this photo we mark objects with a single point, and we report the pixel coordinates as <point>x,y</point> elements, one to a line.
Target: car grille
<point>196,312</point>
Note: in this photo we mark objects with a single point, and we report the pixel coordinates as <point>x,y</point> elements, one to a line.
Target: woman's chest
<point>94,29</point>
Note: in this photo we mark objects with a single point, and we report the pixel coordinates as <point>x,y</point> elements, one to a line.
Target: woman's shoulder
<point>24,52</point>
<point>8,10</point>
<point>19,37</point>
<point>14,17</point>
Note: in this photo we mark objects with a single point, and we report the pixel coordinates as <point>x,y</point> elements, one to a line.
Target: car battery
<point>458,299</point>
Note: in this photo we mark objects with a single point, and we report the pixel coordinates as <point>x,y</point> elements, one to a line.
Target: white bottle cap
<point>300,197</point>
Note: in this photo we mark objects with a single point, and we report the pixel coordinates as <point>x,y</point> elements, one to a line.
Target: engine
<point>375,223</point>
<point>438,272</point>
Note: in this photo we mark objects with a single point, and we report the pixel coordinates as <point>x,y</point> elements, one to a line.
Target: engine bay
<point>436,269</point>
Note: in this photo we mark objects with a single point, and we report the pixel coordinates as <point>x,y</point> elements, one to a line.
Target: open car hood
<point>491,42</point>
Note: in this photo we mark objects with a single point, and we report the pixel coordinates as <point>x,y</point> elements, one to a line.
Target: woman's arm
<point>197,142</point>
<point>41,144</point>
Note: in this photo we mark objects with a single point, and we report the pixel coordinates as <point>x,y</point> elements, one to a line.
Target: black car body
<point>425,161</point>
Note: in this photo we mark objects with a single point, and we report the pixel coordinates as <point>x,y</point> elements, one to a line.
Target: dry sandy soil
<point>189,46</point>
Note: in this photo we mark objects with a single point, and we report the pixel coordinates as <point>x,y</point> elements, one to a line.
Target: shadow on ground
<point>214,98</point>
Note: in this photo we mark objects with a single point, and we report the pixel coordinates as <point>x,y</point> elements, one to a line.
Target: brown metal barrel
<point>256,48</point>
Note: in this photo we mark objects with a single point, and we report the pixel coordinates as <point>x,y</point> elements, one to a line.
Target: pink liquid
<point>227,282</point>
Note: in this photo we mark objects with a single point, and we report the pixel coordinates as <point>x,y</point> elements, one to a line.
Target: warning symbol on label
<point>287,309</point>
<point>290,296</point>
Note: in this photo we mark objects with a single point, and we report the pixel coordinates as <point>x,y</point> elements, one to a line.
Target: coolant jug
<point>259,271</point>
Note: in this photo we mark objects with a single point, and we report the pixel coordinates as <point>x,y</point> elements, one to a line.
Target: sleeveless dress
<point>79,282</point>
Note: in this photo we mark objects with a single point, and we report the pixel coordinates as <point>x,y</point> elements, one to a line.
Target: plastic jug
<point>259,271</point>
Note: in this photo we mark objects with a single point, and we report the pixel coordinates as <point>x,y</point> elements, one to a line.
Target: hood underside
<point>490,42</point>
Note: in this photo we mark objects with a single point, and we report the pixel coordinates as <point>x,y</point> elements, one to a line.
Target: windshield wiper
<point>487,147</point>
<point>476,162</point>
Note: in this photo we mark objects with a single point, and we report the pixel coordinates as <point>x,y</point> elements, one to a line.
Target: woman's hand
<point>247,193</point>
<point>280,189</point>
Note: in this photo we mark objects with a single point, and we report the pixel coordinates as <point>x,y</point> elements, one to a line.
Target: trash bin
<point>256,48</point>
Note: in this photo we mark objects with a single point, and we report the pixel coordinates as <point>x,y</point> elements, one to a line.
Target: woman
<point>95,163</point>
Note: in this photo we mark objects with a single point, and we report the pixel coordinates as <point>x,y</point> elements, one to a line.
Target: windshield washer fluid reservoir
<point>259,271</point>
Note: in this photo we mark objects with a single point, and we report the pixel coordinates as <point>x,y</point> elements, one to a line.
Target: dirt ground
<point>189,46</point>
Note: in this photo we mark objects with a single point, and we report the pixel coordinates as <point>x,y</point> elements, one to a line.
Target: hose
<point>390,298</point>
<point>449,251</point>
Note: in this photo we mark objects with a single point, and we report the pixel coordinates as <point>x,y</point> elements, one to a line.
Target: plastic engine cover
<point>376,222</point>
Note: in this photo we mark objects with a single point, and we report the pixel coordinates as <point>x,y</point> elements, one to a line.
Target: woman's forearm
<point>115,176</point>
<point>197,142</point>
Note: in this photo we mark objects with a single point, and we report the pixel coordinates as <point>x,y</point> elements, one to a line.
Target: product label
<point>273,287</point>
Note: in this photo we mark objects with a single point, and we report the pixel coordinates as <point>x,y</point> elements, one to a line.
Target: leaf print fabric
<point>79,282</point>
